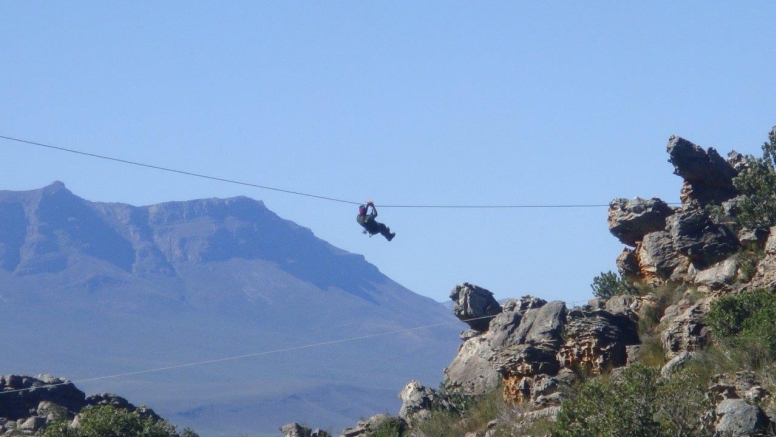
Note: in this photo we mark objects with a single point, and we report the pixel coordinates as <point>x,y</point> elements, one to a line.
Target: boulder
<point>418,401</point>
<point>631,220</point>
<point>623,305</point>
<point>719,275</point>
<point>708,178</point>
<point>33,424</point>
<point>737,418</point>
<point>474,305</point>
<point>657,256</point>
<point>694,235</point>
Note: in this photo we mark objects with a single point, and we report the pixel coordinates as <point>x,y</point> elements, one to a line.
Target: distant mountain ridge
<point>94,289</point>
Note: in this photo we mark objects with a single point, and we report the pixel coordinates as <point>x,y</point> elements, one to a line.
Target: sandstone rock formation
<point>531,342</point>
<point>674,244</point>
<point>631,220</point>
<point>708,178</point>
<point>474,305</point>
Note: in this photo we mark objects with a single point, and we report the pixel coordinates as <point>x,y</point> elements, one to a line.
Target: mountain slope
<point>96,289</point>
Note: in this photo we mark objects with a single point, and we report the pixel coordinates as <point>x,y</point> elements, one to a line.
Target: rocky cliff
<point>678,257</point>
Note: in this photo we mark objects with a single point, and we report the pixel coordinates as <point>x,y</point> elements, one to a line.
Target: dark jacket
<point>367,221</point>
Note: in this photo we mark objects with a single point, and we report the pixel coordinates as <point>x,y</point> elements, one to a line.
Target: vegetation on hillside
<point>757,205</point>
<point>110,421</point>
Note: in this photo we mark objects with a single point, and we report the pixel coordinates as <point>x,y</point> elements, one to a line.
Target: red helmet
<point>362,209</point>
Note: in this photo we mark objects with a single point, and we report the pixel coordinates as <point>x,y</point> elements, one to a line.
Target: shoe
<point>390,236</point>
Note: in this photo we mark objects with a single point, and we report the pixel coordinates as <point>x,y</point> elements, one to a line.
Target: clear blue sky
<point>401,102</point>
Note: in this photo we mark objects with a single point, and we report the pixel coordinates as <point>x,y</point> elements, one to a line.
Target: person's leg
<point>385,231</point>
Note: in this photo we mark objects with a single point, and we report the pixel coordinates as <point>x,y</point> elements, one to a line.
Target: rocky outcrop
<point>23,394</point>
<point>708,178</point>
<point>673,244</point>
<point>474,305</point>
<point>688,243</point>
<point>532,342</point>
<point>297,430</point>
<point>631,220</point>
<point>418,401</point>
<point>28,404</point>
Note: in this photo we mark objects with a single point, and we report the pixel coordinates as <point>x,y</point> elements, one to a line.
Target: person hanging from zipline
<point>370,225</point>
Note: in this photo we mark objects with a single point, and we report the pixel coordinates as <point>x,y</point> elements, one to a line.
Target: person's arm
<point>374,210</point>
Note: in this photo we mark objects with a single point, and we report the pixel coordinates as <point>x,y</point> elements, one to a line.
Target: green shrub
<point>683,401</point>
<point>638,403</point>
<point>392,427</point>
<point>606,406</point>
<point>610,284</point>
<point>757,184</point>
<point>109,421</point>
<point>746,324</point>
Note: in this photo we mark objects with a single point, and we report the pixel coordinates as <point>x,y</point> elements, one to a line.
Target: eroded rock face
<point>657,256</point>
<point>470,371</point>
<point>708,178</point>
<point>532,342</point>
<point>631,220</point>
<point>686,332</point>
<point>474,305</point>
<point>694,235</point>
<point>596,340</point>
